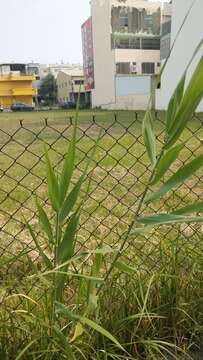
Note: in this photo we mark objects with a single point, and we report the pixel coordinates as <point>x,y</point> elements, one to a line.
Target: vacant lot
<point>120,171</point>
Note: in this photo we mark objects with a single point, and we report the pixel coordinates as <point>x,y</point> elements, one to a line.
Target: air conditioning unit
<point>134,68</point>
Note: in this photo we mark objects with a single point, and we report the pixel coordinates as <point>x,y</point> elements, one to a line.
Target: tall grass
<point>70,306</point>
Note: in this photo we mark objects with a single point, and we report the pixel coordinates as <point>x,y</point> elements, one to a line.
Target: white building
<point>126,52</point>
<point>184,47</point>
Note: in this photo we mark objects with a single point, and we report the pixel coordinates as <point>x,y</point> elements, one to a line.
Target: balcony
<point>23,92</point>
<point>13,77</point>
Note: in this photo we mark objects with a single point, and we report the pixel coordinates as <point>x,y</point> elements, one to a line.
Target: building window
<point>135,19</point>
<point>123,68</point>
<point>79,82</point>
<point>150,44</point>
<point>148,68</point>
<point>166,27</point>
<point>135,43</point>
<point>123,19</point>
<point>134,68</point>
<point>158,64</point>
<point>125,43</point>
<point>165,47</point>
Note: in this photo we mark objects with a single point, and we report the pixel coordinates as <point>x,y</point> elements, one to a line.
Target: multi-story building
<point>33,69</point>
<point>15,85</point>
<point>165,42</point>
<point>54,69</point>
<point>122,42</point>
<point>186,34</point>
<point>69,83</point>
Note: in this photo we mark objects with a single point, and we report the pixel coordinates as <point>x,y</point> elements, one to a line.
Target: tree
<point>48,90</point>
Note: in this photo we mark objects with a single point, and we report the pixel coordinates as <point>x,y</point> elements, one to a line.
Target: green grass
<point>167,261</point>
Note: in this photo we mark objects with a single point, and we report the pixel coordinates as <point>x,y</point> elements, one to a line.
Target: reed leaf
<point>44,222</point>
<point>62,310</point>
<point>191,99</point>
<point>178,178</point>
<point>52,183</point>
<point>196,207</point>
<point>175,103</point>
<point>68,165</point>
<point>164,219</point>
<point>66,247</point>
<point>39,248</point>
<point>165,162</point>
<point>149,137</point>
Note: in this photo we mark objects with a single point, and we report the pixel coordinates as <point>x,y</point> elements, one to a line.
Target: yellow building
<point>15,85</point>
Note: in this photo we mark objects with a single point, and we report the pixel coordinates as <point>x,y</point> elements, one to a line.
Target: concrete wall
<point>139,56</point>
<point>132,93</point>
<point>104,58</point>
<point>185,46</point>
<point>63,87</point>
<point>133,85</point>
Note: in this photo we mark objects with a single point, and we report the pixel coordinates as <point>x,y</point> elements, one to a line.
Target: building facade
<point>186,17</point>
<point>54,69</point>
<point>16,85</point>
<point>165,41</point>
<point>69,83</point>
<point>126,52</point>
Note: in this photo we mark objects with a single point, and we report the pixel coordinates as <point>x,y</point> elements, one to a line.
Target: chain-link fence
<point>119,173</point>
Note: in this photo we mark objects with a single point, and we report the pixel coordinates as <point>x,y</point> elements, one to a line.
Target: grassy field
<point>119,174</point>
<point>120,170</point>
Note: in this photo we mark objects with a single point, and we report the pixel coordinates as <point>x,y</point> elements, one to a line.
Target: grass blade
<point>165,162</point>
<point>66,251</point>
<point>41,252</point>
<point>77,333</point>
<point>178,178</point>
<point>62,309</point>
<point>71,200</point>
<point>44,221</point>
<point>196,207</point>
<point>124,268</point>
<point>192,97</point>
<point>174,103</point>
<point>72,197</point>
<point>92,286</point>
<point>66,247</point>
<point>101,330</point>
<point>164,219</point>
<point>52,183</point>
<point>25,349</point>
<point>149,137</point>
<point>68,165</point>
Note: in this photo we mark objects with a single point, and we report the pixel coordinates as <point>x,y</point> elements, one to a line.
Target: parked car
<point>21,107</point>
<point>1,108</point>
<point>68,105</point>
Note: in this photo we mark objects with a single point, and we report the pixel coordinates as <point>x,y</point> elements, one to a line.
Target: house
<point>69,83</point>
<point>16,85</point>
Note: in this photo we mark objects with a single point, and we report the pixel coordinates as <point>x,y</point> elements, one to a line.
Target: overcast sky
<point>45,31</point>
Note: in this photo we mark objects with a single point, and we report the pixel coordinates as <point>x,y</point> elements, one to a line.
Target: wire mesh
<point>119,173</point>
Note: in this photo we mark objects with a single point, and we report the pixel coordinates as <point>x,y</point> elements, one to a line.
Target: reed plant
<point>71,307</point>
